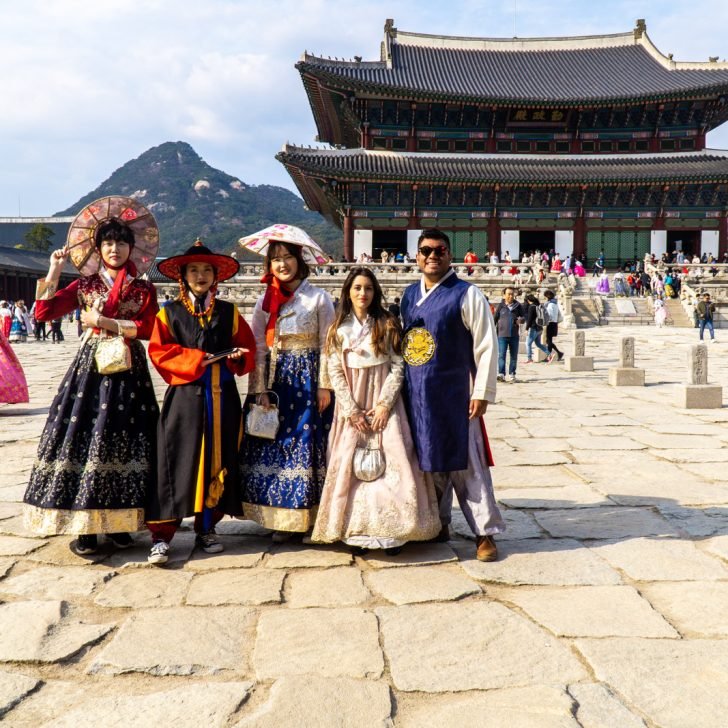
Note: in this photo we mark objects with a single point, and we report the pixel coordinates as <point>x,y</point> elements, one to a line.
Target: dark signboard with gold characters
<point>537,116</point>
<point>418,346</point>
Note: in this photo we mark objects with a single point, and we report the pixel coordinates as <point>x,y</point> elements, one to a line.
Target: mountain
<point>191,199</point>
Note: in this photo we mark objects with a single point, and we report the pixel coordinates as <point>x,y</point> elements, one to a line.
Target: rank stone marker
<point>626,374</point>
<point>697,393</point>
<point>578,362</point>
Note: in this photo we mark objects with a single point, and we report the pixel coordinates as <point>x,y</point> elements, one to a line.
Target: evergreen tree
<point>39,238</point>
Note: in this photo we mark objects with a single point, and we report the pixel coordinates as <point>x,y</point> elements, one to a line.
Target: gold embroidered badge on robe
<point>418,346</point>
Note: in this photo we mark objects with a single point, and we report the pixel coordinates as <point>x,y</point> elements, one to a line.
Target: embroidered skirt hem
<point>57,522</point>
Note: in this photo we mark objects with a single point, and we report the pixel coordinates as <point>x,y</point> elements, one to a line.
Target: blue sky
<point>88,85</point>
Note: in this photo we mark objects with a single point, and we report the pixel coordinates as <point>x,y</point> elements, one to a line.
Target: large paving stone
<point>145,588</point>
<point>576,495</point>
<point>236,586</point>
<point>524,457</point>
<point>596,443</point>
<point>684,490</point>
<point>295,556</point>
<point>5,566</point>
<point>13,688</point>
<point>531,476</point>
<point>675,683</point>
<point>437,648</point>
<point>636,458</point>
<point>52,582</point>
<point>707,471</point>
<point>599,708</point>
<point>696,521</point>
<point>13,493</point>
<point>697,609</point>
<point>537,706</point>
<point>539,444</point>
<point>716,455</point>
<point>309,701</point>
<point>561,562</point>
<point>519,524</point>
<point>40,633</point>
<point>338,587</point>
<point>179,641</point>
<point>592,611</point>
<point>718,545</point>
<point>413,554</point>
<point>58,552</point>
<point>645,559</point>
<point>191,706</point>
<point>598,523</point>
<point>662,441</point>
<point>410,585</point>
<point>240,553</point>
<point>239,527</point>
<point>10,510</point>
<point>324,642</point>
<point>17,546</point>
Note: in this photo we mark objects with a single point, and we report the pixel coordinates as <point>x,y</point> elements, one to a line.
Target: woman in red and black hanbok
<point>200,428</point>
<point>95,462</point>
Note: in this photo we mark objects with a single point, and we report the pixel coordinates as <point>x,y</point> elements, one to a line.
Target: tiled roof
<point>30,261</point>
<point>563,70</point>
<point>360,164</point>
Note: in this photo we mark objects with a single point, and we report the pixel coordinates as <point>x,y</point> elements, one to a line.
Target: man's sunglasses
<point>426,251</point>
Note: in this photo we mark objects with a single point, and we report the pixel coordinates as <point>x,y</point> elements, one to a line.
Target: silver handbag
<point>263,421</point>
<point>368,462</point>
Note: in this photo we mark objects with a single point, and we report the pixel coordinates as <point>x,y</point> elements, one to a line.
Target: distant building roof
<point>611,68</point>
<point>531,169</point>
<point>30,261</point>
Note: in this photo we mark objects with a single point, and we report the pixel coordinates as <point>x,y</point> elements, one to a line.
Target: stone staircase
<point>677,313</point>
<point>616,315</point>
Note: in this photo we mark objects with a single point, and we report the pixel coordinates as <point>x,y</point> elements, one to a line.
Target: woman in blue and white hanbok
<point>282,478</point>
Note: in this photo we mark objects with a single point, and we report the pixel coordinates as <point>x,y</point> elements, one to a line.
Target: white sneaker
<point>501,377</point>
<point>158,554</point>
<point>512,378</point>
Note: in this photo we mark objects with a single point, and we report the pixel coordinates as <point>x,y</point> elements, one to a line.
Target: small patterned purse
<point>368,462</point>
<point>113,354</point>
<point>263,421</point>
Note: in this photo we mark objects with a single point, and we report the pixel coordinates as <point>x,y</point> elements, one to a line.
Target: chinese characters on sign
<point>534,116</point>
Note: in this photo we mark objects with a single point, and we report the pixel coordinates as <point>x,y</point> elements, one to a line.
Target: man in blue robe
<point>450,349</point>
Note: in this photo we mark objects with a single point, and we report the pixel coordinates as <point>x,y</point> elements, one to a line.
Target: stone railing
<point>245,288</point>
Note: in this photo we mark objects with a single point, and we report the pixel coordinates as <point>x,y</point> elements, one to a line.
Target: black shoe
<point>87,544</point>
<point>561,356</point>
<point>393,551</point>
<point>359,550</point>
<point>121,540</point>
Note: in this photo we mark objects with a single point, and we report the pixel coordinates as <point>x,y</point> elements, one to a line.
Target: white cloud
<point>89,85</point>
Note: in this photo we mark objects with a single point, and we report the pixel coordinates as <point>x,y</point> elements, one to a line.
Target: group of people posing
<point>373,421</point>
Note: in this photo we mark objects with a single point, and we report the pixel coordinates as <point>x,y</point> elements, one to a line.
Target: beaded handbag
<point>113,354</point>
<point>262,421</point>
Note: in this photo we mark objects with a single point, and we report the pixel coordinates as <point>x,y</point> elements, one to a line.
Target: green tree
<point>39,238</point>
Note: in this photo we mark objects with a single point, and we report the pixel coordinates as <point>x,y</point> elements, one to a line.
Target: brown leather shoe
<point>486,548</point>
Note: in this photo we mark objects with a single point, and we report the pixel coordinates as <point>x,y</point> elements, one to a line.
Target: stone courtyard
<point>608,606</point>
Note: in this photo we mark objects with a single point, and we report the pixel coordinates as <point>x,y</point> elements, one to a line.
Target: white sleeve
<point>478,319</point>
<point>259,376</point>
<point>325,319</point>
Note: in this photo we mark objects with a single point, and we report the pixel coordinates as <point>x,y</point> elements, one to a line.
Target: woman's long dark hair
<point>386,330</point>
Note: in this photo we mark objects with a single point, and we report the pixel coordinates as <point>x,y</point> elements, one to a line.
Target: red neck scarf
<point>111,307</point>
<point>276,294</point>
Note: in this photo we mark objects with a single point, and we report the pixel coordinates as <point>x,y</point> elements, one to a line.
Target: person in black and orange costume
<point>200,427</point>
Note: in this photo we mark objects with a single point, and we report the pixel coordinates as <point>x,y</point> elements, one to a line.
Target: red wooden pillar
<point>348,236</point>
<point>722,237</point>
<point>494,243</point>
<point>580,238</point>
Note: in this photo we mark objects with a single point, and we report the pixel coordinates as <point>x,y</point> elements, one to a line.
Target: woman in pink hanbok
<point>579,270</point>
<point>13,387</point>
<point>367,372</point>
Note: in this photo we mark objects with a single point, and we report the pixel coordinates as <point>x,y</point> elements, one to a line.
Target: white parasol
<point>279,233</point>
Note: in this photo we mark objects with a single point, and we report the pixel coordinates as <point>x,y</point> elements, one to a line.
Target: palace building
<point>582,145</point>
